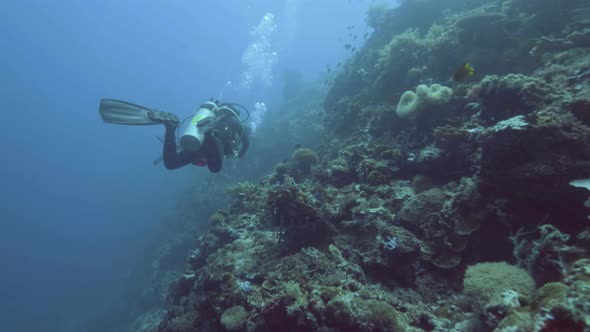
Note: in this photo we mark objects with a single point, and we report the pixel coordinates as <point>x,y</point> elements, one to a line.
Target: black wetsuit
<point>217,143</point>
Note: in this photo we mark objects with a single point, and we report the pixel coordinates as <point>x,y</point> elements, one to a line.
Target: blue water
<point>80,198</point>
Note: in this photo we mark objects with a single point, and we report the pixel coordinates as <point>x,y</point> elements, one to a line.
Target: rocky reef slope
<point>469,212</point>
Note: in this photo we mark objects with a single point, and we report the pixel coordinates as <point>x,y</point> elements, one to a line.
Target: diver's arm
<point>173,159</point>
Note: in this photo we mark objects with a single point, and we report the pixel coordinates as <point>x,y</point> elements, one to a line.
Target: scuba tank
<point>205,119</point>
<point>194,134</point>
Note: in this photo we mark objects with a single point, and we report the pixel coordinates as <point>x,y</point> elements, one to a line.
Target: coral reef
<point>464,219</point>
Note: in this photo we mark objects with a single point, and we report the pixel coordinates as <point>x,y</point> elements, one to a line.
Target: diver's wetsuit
<point>217,143</point>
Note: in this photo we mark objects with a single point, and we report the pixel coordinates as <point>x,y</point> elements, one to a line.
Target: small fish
<point>329,69</point>
<point>347,46</point>
<point>355,36</point>
<point>339,64</point>
<point>463,73</point>
<point>353,49</point>
<point>366,35</point>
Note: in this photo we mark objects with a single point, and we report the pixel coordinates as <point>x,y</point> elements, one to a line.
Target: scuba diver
<point>213,132</point>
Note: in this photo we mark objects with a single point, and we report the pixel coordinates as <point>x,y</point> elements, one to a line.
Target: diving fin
<point>122,112</point>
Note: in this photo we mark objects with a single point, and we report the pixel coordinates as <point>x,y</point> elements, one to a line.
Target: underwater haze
<point>411,165</point>
<point>80,198</point>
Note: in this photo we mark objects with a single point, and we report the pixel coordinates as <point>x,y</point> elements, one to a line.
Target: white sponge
<point>411,104</point>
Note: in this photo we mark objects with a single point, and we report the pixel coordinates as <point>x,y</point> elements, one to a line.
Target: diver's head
<point>234,109</point>
<point>228,109</point>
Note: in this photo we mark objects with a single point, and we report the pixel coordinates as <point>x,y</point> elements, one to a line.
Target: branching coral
<point>546,251</point>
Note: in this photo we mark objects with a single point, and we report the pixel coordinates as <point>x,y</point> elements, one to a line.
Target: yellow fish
<point>463,73</point>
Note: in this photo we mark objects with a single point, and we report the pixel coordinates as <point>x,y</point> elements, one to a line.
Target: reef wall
<point>472,214</point>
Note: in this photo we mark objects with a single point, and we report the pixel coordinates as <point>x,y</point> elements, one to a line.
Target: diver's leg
<point>172,158</point>
<point>214,154</point>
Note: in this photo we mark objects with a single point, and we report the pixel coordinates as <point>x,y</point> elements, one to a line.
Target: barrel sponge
<point>407,106</point>
<point>411,104</point>
<point>439,94</point>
